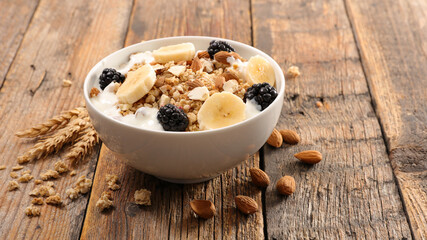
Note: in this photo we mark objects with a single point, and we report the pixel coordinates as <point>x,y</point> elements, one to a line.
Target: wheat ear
<point>52,124</point>
<point>83,145</point>
<point>55,142</point>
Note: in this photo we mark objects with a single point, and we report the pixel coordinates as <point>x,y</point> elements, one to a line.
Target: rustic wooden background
<point>365,60</point>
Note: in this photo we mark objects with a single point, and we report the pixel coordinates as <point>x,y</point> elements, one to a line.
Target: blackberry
<point>108,75</point>
<point>172,118</point>
<point>263,93</point>
<point>217,46</point>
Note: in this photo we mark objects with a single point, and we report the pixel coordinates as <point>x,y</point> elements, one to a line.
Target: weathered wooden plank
<point>351,194</point>
<point>14,20</point>
<point>170,215</point>
<point>392,37</point>
<point>64,40</point>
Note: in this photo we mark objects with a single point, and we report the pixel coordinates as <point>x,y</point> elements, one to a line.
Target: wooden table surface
<point>365,60</point>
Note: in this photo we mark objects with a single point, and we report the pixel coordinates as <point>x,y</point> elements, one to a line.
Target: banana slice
<point>259,70</point>
<point>176,53</point>
<point>137,84</point>
<point>221,110</point>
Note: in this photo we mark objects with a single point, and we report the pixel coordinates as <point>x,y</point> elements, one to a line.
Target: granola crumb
<point>32,211</point>
<point>112,182</point>
<point>61,167</point>
<point>43,191</point>
<point>72,193</point>
<point>319,104</point>
<point>37,201</point>
<point>2,167</point>
<point>142,197</point>
<point>54,200</point>
<point>49,174</point>
<point>293,72</point>
<point>17,168</point>
<point>14,175</point>
<point>94,92</point>
<point>83,184</point>
<point>38,181</point>
<point>25,178</point>
<point>25,172</point>
<point>104,202</point>
<point>66,83</point>
<point>13,185</point>
<point>73,173</point>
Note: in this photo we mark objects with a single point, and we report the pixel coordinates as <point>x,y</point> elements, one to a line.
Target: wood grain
<point>351,193</point>
<point>14,20</point>
<point>170,215</point>
<point>64,40</point>
<point>392,37</point>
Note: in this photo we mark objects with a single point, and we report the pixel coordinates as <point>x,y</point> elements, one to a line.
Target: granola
<point>105,201</point>
<point>13,185</point>
<point>142,197</point>
<point>179,81</point>
<point>32,211</point>
<point>112,182</point>
<point>49,174</point>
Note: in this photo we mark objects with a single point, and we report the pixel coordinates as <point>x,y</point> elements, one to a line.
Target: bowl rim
<point>276,66</point>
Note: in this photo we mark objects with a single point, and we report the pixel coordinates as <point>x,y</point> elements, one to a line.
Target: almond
<point>275,139</point>
<point>196,65</point>
<point>203,208</point>
<point>286,185</point>
<point>259,177</point>
<point>289,136</point>
<point>219,82</point>
<point>229,75</point>
<point>223,55</point>
<point>195,83</point>
<point>160,81</point>
<point>246,204</point>
<point>310,156</point>
<point>203,54</point>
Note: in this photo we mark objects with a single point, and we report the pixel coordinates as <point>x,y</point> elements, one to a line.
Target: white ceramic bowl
<point>184,157</point>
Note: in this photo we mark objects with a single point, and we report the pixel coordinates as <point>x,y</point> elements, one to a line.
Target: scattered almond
<point>289,136</point>
<point>196,65</point>
<point>275,139</point>
<point>310,156</point>
<point>219,82</point>
<point>203,54</point>
<point>259,177</point>
<point>246,204</point>
<point>286,185</point>
<point>203,208</point>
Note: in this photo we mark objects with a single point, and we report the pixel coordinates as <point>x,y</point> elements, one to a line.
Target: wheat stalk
<point>55,142</point>
<point>52,124</point>
<point>84,145</point>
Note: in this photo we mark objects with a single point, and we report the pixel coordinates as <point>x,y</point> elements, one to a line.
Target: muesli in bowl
<point>176,88</point>
<point>185,109</point>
